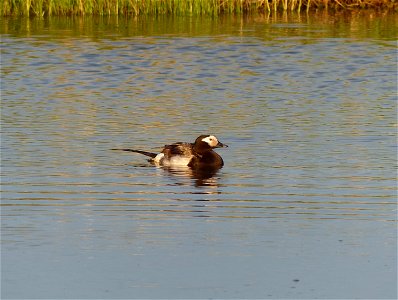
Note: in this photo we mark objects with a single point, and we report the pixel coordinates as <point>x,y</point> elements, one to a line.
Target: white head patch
<point>211,140</point>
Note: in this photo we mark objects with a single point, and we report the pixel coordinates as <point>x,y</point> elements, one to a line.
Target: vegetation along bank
<point>179,7</point>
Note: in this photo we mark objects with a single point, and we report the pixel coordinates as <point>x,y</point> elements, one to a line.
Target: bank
<point>181,7</point>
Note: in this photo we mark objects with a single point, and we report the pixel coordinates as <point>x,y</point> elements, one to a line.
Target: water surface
<point>305,206</point>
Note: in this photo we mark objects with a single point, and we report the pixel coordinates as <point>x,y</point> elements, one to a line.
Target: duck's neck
<point>200,151</point>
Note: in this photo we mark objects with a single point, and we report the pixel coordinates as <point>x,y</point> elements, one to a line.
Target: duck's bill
<point>221,145</point>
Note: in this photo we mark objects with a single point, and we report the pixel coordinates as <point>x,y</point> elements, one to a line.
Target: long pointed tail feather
<point>150,154</point>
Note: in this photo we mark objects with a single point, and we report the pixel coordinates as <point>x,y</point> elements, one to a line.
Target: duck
<point>196,155</point>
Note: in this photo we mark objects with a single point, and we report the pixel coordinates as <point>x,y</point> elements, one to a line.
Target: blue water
<point>305,206</point>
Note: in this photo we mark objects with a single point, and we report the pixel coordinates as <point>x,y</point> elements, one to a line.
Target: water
<point>305,206</point>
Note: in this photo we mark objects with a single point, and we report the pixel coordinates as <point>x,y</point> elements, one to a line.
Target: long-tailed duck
<point>199,154</point>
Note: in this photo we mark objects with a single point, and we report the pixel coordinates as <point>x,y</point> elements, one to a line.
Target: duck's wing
<point>182,149</point>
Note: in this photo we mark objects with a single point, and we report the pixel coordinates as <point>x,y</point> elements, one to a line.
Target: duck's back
<point>178,149</point>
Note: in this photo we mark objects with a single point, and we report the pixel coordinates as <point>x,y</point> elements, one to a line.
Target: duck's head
<point>207,142</point>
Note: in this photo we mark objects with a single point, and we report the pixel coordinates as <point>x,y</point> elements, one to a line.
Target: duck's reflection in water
<point>205,176</point>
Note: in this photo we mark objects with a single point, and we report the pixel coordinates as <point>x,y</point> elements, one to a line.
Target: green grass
<point>177,7</point>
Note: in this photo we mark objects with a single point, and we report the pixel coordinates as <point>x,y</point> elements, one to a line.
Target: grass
<point>177,7</point>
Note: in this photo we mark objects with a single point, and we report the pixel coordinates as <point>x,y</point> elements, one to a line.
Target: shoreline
<point>184,7</point>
